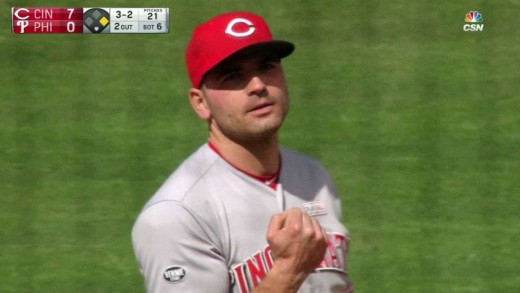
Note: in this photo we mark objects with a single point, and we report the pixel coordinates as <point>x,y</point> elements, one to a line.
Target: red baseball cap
<point>224,35</point>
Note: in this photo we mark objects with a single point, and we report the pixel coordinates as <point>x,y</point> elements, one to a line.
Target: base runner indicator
<point>50,20</point>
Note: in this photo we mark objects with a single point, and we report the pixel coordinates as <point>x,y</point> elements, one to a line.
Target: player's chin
<point>255,135</point>
<point>267,128</point>
<point>262,135</point>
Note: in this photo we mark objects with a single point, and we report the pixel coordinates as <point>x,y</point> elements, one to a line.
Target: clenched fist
<point>297,241</point>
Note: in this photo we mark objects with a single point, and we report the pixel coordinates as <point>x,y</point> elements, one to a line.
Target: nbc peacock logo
<point>474,22</point>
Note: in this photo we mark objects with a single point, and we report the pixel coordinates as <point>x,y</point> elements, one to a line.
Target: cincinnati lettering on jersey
<point>249,273</point>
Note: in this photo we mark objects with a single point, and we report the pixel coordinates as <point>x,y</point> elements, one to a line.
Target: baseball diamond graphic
<point>96,20</point>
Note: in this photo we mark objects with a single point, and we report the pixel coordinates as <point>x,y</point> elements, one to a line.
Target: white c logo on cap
<point>230,31</point>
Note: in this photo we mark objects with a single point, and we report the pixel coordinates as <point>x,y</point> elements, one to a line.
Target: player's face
<point>247,96</point>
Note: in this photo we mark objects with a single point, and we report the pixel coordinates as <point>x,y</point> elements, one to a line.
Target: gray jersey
<point>205,228</point>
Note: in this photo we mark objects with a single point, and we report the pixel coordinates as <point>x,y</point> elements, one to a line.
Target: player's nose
<point>256,86</point>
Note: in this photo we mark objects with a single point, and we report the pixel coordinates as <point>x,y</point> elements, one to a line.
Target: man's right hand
<point>298,244</point>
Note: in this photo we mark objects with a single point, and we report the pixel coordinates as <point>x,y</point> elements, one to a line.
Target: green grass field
<point>416,120</point>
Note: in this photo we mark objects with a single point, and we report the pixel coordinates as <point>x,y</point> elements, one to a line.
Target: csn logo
<point>474,22</point>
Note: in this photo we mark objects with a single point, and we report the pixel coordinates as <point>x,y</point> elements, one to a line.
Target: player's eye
<point>230,76</point>
<point>270,63</point>
<point>266,66</point>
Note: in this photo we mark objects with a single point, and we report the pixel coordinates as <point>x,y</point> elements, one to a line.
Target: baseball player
<point>242,213</point>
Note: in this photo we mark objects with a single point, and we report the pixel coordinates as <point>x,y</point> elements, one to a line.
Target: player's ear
<point>199,103</point>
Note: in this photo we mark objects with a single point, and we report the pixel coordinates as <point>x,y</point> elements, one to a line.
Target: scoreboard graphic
<point>51,20</point>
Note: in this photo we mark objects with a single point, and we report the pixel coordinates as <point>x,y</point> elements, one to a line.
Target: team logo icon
<point>96,20</point>
<point>240,27</point>
<point>174,274</point>
<point>474,22</point>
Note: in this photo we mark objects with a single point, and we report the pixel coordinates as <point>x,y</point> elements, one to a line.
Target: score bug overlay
<point>51,20</point>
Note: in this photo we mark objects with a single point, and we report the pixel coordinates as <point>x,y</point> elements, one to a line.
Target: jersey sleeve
<point>174,252</point>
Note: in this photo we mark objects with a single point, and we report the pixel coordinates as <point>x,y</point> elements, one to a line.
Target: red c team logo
<point>241,22</point>
<point>17,13</point>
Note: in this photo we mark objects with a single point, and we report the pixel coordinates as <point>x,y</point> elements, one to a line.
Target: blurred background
<point>416,120</point>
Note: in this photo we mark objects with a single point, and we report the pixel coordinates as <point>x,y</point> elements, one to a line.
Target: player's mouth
<point>262,108</point>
